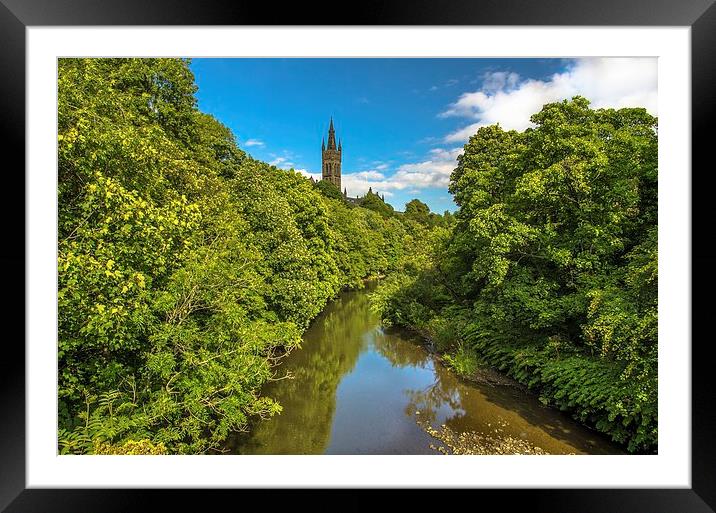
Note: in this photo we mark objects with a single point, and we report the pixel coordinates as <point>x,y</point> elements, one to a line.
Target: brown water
<point>359,389</point>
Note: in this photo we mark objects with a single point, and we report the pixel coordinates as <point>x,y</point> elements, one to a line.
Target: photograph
<point>357,256</point>
<point>436,249</point>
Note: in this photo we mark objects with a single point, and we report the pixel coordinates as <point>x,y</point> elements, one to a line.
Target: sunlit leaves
<point>185,268</point>
<point>553,262</point>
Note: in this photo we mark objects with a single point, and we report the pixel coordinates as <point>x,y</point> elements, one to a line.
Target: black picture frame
<point>17,15</point>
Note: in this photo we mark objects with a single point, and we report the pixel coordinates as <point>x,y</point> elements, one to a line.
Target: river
<point>358,388</point>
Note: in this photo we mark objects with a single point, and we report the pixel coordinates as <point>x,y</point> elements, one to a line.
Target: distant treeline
<point>415,210</point>
<point>550,272</point>
<point>187,268</point>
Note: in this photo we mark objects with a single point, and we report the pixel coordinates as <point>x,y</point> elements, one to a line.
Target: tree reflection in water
<point>465,407</point>
<point>359,388</point>
<point>438,396</point>
<point>330,350</point>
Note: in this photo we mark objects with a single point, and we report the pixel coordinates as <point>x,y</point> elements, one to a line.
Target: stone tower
<point>331,157</point>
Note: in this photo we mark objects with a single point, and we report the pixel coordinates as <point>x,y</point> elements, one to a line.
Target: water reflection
<point>359,389</point>
<point>309,399</point>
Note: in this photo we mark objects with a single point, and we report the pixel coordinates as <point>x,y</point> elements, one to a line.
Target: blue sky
<point>402,121</point>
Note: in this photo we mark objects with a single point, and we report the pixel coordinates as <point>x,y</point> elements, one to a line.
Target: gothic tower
<point>331,157</point>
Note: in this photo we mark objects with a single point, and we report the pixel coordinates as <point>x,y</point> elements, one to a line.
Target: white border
<point>670,468</point>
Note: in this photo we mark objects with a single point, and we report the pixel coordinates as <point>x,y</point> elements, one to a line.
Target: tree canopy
<point>329,190</point>
<point>186,268</point>
<point>372,201</point>
<point>550,272</point>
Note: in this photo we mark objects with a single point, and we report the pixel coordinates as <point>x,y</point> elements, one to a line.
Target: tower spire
<point>331,136</point>
<point>331,158</point>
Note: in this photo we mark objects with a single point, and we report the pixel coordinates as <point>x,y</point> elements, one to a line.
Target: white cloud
<point>358,183</point>
<point>368,175</point>
<point>434,171</point>
<point>605,82</point>
<point>499,80</point>
<point>308,174</point>
<point>281,162</point>
<point>464,133</point>
<point>254,142</point>
<point>448,83</point>
<point>509,101</point>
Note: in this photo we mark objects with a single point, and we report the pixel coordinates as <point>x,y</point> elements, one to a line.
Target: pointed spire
<point>345,192</point>
<point>340,145</point>
<point>331,136</point>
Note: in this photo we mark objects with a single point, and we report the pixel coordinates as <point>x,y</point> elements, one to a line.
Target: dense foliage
<point>419,212</point>
<point>186,268</point>
<point>550,272</point>
<point>373,202</point>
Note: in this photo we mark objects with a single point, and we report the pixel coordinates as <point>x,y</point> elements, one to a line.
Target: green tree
<point>186,269</point>
<point>329,190</point>
<point>551,267</point>
<point>372,201</point>
<point>417,211</point>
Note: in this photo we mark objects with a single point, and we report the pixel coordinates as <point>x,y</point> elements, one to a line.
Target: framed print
<point>430,246</point>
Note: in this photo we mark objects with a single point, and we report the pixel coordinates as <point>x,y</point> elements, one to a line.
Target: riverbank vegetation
<point>550,272</point>
<point>186,268</point>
